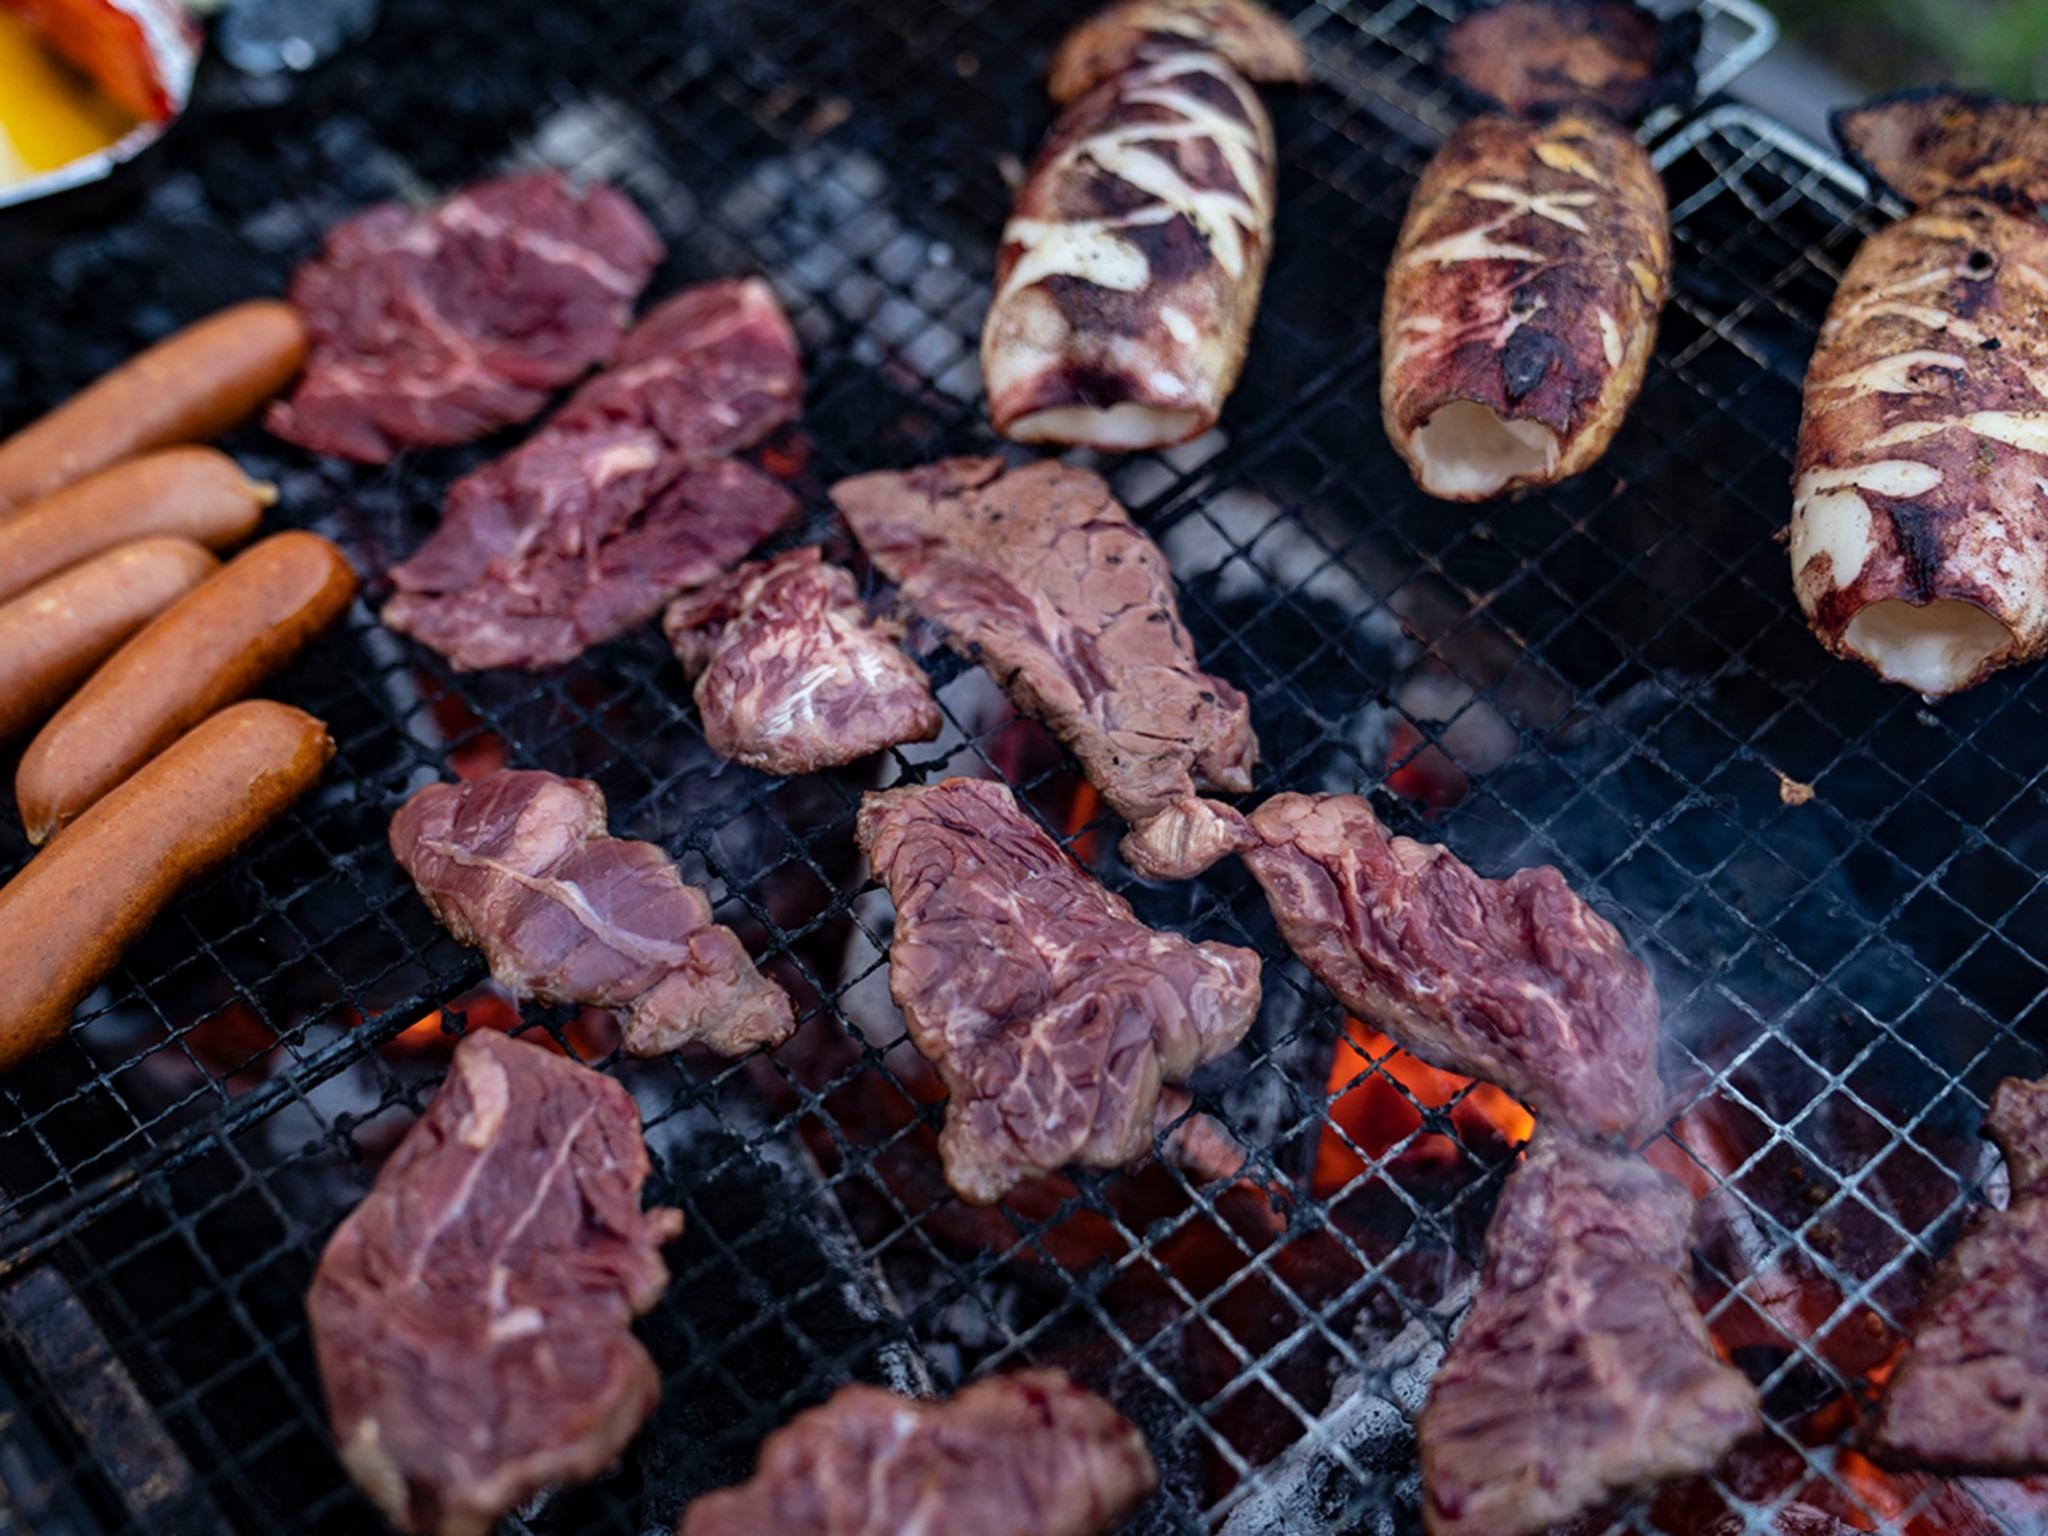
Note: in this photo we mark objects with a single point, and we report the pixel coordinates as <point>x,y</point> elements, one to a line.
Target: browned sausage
<point>198,493</point>
<point>52,636</point>
<point>67,917</point>
<point>189,387</point>
<point>212,646</point>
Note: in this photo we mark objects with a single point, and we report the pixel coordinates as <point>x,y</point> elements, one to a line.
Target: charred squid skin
<point>1919,534</point>
<point>1533,56</point>
<point>1937,141</point>
<point>1254,40</point>
<point>1129,272</point>
<point>1522,303</point>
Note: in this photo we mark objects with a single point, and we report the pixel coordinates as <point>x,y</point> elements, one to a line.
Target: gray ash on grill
<point>519,863</point>
<point>626,498</point>
<point>791,674</point>
<point>471,1317</point>
<point>1054,1017</point>
<point>1971,1391</point>
<point>1039,574</point>
<point>1583,1369</point>
<point>1026,1454</point>
<point>1514,981</point>
<point>440,325</point>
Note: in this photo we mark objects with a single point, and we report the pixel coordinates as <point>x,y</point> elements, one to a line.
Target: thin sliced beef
<point>792,675</point>
<point>471,1318</point>
<point>1583,1369</point>
<point>1038,574</point>
<point>1054,1017</point>
<point>1970,1394</point>
<point>1515,981</point>
<point>519,863</point>
<point>1028,1454</point>
<point>438,325</point>
<point>626,498</point>
<point>597,552</point>
<point>709,371</point>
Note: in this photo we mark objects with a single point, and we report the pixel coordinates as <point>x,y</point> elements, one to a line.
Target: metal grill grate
<point>1610,676</point>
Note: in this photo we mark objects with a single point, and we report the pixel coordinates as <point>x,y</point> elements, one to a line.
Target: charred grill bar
<point>1611,676</point>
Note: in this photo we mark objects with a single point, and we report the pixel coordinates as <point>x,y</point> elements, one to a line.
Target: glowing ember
<point>1080,811</point>
<point>1370,1114</point>
<point>420,1035</point>
<point>1871,1484</point>
<point>480,754</point>
<point>786,456</point>
<point>593,1033</point>
<point>1417,770</point>
<point>234,1045</point>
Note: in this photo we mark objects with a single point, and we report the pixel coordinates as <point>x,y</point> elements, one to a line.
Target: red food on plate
<point>121,45</point>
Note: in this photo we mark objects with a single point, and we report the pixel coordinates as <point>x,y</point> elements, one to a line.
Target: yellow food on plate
<point>50,115</point>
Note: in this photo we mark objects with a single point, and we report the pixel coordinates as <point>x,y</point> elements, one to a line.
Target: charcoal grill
<point>1841,889</point>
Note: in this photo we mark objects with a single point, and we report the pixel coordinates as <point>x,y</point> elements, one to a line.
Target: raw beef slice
<point>1028,1454</point>
<point>792,675</point>
<point>1055,1018</point>
<point>1038,574</point>
<point>471,1318</point>
<point>1515,981</point>
<point>1583,1369</point>
<point>439,325</point>
<point>629,496</point>
<point>1970,1394</point>
<point>520,864</point>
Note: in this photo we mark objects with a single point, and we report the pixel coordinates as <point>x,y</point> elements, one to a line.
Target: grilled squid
<point>1919,533</point>
<point>1130,268</point>
<point>1522,303</point>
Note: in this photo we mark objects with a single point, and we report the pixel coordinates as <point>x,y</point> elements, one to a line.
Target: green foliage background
<point>2001,45</point>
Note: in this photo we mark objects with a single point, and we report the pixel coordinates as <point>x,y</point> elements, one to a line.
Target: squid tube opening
<point>1935,648</point>
<point>1466,450</point>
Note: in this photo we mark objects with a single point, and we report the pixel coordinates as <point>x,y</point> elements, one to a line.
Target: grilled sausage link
<point>52,636</point>
<point>196,493</point>
<point>189,387</point>
<point>213,646</point>
<point>67,917</point>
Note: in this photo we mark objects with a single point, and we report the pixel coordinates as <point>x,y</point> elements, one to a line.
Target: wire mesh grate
<point>1609,676</point>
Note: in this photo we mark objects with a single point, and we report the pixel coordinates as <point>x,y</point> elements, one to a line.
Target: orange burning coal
<point>1419,771</point>
<point>1371,1114</point>
<point>426,1036</point>
<point>1080,811</point>
<point>593,1033</point>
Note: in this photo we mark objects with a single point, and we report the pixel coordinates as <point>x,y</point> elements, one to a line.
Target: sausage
<point>79,903</point>
<point>197,493</point>
<point>189,387</point>
<point>1130,268</point>
<point>214,645</point>
<point>52,636</point>
<point>1919,539</point>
